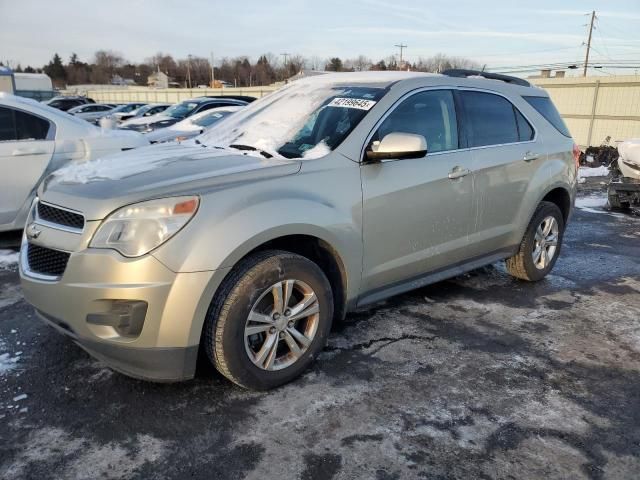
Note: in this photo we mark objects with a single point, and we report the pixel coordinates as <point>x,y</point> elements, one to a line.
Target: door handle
<point>458,172</point>
<point>529,156</point>
<point>18,152</point>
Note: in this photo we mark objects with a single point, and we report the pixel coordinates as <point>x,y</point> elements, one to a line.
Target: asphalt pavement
<point>481,376</point>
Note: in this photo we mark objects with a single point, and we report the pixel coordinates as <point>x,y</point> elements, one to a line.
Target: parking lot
<point>482,376</point>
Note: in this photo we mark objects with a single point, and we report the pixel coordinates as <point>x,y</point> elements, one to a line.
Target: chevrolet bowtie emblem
<point>33,232</point>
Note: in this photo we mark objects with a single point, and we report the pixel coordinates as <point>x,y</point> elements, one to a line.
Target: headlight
<point>139,228</point>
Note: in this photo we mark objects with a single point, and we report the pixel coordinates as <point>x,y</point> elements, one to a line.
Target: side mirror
<point>398,145</point>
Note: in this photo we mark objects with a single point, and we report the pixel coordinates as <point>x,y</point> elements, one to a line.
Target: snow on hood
<point>629,150</point>
<point>132,162</point>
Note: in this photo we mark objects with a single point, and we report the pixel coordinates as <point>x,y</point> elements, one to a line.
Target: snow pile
<point>601,171</point>
<point>319,151</point>
<point>8,259</point>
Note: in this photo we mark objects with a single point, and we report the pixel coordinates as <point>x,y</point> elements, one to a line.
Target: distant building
<point>158,80</point>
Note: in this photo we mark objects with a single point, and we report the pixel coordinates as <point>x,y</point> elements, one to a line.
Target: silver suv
<point>332,193</point>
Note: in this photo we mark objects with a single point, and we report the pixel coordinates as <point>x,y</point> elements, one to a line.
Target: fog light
<point>125,316</point>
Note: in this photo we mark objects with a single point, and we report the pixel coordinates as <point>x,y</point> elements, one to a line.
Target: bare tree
<point>441,62</point>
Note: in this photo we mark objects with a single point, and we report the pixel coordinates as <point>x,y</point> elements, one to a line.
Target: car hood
<point>98,187</point>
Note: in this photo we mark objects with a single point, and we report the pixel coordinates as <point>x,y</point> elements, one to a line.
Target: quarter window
<point>490,119</point>
<point>431,114</point>
<point>525,130</point>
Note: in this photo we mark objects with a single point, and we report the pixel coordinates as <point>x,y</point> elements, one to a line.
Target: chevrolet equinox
<point>332,193</point>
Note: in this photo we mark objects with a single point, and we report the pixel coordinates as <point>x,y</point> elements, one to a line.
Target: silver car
<point>330,194</point>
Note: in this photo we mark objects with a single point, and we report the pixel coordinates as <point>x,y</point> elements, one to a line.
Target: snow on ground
<point>8,259</point>
<point>601,171</point>
<point>7,362</point>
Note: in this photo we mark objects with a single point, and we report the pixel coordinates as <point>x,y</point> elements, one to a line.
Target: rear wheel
<point>270,319</point>
<point>540,245</point>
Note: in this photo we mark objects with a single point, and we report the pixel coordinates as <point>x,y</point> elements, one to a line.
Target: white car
<point>191,126</point>
<point>35,140</point>
<point>92,111</point>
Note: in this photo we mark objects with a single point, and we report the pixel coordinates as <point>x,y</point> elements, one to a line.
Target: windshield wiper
<point>253,149</point>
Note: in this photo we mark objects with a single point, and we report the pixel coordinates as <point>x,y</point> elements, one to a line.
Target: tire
<point>248,290</point>
<point>616,204</point>
<point>522,264</point>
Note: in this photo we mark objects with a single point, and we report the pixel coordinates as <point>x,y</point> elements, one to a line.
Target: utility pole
<point>586,60</point>
<point>213,75</point>
<point>189,70</point>
<point>401,47</point>
<point>286,72</point>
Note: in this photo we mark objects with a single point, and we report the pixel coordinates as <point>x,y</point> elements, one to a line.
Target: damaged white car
<point>35,140</point>
<point>624,191</point>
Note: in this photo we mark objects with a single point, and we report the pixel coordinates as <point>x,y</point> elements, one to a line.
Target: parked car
<point>179,112</point>
<point>114,113</point>
<point>333,193</point>
<point>191,126</point>
<point>36,139</point>
<point>91,111</point>
<point>65,103</point>
<point>143,111</point>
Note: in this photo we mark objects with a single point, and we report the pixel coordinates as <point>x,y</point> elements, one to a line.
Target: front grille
<point>46,261</point>
<point>61,217</point>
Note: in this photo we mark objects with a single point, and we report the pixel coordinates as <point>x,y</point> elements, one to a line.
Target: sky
<point>500,34</point>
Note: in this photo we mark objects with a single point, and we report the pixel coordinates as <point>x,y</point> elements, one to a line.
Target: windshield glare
<point>302,120</point>
<point>180,110</point>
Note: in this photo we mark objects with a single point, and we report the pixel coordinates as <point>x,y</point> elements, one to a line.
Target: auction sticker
<point>359,103</point>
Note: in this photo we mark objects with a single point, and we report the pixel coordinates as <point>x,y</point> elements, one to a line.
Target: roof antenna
<point>483,67</point>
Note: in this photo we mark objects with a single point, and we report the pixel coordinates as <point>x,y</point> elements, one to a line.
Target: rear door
<point>505,153</point>
<point>417,212</point>
<point>26,148</point>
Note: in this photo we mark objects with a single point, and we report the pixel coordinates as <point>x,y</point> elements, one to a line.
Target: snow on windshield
<point>279,119</point>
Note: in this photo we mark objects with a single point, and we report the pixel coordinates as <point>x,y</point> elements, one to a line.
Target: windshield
<point>210,118</point>
<point>304,119</point>
<point>180,110</point>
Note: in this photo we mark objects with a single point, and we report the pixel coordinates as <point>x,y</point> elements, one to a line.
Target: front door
<point>417,213</point>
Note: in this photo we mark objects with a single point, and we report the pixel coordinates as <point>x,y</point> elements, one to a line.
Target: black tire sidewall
<point>245,293</point>
<point>544,210</point>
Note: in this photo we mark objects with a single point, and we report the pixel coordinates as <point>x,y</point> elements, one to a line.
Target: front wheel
<point>540,245</point>
<point>270,319</point>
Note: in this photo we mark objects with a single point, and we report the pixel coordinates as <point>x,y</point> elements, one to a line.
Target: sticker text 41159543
<point>359,103</point>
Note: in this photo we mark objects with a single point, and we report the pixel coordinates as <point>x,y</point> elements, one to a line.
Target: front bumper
<point>166,347</point>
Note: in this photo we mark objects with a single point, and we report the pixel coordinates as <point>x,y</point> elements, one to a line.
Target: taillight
<point>576,155</point>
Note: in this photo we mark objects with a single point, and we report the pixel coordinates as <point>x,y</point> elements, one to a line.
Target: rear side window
<point>29,127</point>
<point>17,125</point>
<point>431,114</point>
<point>7,125</point>
<point>490,119</point>
<point>547,109</point>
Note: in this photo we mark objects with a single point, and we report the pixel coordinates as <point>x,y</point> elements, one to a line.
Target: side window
<point>525,130</point>
<point>7,125</point>
<point>209,106</point>
<point>489,118</point>
<point>431,114</point>
<point>30,127</point>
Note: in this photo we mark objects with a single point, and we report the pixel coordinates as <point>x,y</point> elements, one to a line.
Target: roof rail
<point>463,73</point>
